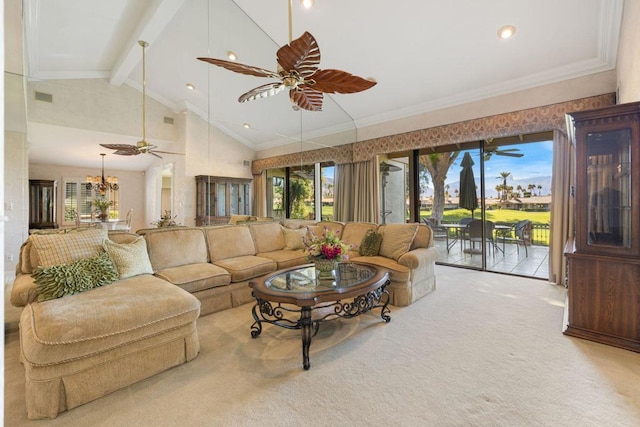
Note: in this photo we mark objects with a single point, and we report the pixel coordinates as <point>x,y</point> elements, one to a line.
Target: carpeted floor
<point>482,350</point>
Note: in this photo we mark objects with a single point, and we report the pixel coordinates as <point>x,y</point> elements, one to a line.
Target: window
<point>291,192</point>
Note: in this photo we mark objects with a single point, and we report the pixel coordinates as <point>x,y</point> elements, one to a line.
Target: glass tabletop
<point>303,279</point>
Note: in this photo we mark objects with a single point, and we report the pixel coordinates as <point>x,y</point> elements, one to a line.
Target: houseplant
<point>102,204</point>
<point>325,251</point>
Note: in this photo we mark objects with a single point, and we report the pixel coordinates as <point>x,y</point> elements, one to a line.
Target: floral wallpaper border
<point>532,120</point>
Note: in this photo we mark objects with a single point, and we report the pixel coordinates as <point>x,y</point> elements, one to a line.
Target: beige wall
<point>628,65</point>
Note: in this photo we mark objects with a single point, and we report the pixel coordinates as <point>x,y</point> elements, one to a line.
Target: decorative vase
<point>103,215</point>
<point>326,269</point>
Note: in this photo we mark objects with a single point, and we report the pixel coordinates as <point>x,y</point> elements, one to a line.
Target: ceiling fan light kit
<point>142,146</point>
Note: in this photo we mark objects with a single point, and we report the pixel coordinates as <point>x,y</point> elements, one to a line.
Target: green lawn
<point>499,216</point>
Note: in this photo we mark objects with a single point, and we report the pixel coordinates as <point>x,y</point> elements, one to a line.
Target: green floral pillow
<point>75,277</point>
<point>371,243</point>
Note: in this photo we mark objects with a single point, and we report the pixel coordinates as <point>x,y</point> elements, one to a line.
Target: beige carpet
<point>483,350</point>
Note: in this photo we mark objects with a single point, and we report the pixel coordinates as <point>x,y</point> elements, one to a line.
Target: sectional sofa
<point>82,346</point>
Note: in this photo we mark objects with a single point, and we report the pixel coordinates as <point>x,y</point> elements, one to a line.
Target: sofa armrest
<point>24,291</point>
<point>418,257</point>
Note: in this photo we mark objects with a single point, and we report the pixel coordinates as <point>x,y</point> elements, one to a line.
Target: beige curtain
<point>343,197</point>
<point>260,194</point>
<point>355,192</point>
<point>365,196</point>
<point>562,206</point>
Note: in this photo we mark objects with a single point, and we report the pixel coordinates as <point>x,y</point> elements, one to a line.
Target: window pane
<point>327,178</point>
<point>301,192</point>
<point>275,193</point>
<point>70,201</point>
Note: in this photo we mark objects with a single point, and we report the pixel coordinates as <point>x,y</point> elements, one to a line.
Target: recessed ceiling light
<point>307,4</point>
<point>246,125</point>
<point>232,55</point>
<point>190,86</point>
<point>506,32</point>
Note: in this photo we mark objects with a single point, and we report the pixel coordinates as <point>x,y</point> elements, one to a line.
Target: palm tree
<point>504,176</point>
<point>438,165</point>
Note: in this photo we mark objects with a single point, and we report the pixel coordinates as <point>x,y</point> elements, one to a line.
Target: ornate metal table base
<point>276,314</point>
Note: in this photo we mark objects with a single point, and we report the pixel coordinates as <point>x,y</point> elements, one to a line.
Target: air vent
<point>246,163</point>
<point>168,120</point>
<point>45,97</point>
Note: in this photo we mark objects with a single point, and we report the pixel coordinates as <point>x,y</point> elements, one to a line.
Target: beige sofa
<point>74,348</point>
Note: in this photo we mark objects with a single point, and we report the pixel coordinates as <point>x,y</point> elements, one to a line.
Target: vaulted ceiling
<point>424,55</point>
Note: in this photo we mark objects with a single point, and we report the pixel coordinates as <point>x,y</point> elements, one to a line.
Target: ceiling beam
<point>155,20</point>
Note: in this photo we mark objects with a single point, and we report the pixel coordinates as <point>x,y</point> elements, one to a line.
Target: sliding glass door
<point>488,202</point>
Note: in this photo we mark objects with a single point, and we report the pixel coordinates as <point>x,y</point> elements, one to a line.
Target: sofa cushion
<point>130,259</point>
<point>422,238</point>
<point>267,236</point>
<point>175,246</point>
<point>75,277</point>
<point>63,248</point>
<point>320,228</point>
<point>195,277</point>
<point>396,239</point>
<point>354,232</point>
<point>286,258</point>
<point>247,267</point>
<point>293,239</point>
<point>397,272</point>
<point>67,329</point>
<point>229,242</point>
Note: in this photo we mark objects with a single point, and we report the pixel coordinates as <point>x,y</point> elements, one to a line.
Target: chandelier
<point>100,184</point>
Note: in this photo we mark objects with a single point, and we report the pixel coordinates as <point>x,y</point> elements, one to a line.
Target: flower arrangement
<point>326,246</point>
<point>165,220</point>
<point>102,203</point>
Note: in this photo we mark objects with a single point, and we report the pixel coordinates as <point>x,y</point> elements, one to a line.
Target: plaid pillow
<point>54,249</point>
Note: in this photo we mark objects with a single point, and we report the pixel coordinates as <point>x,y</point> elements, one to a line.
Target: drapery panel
<point>562,205</point>
<point>355,192</point>
<point>260,194</point>
<point>343,200</point>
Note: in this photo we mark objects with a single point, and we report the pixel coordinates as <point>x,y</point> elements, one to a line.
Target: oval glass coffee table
<point>294,299</point>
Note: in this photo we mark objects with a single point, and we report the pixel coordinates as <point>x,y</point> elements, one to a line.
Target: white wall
<point>628,65</point>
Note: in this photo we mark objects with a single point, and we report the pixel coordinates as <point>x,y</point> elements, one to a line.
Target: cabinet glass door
<point>221,199</point>
<point>609,188</point>
<point>235,199</point>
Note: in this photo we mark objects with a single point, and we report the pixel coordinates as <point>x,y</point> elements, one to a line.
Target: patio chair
<point>475,235</point>
<point>439,232</point>
<point>521,231</point>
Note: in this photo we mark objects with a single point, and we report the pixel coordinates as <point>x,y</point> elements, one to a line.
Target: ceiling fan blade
<point>165,152</point>
<point>262,92</point>
<point>123,149</point>
<point>154,154</point>
<point>301,55</point>
<point>241,68</point>
<point>502,153</point>
<point>307,98</point>
<point>338,81</point>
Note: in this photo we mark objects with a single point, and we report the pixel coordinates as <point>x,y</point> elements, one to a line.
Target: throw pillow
<point>75,277</point>
<point>130,259</point>
<point>370,245</point>
<point>293,239</point>
<point>397,239</point>
<point>55,249</point>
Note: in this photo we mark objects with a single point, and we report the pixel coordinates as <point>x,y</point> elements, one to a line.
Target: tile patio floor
<point>535,265</point>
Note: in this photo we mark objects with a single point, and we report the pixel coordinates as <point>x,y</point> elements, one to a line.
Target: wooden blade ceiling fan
<point>298,71</point>
<point>142,146</point>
